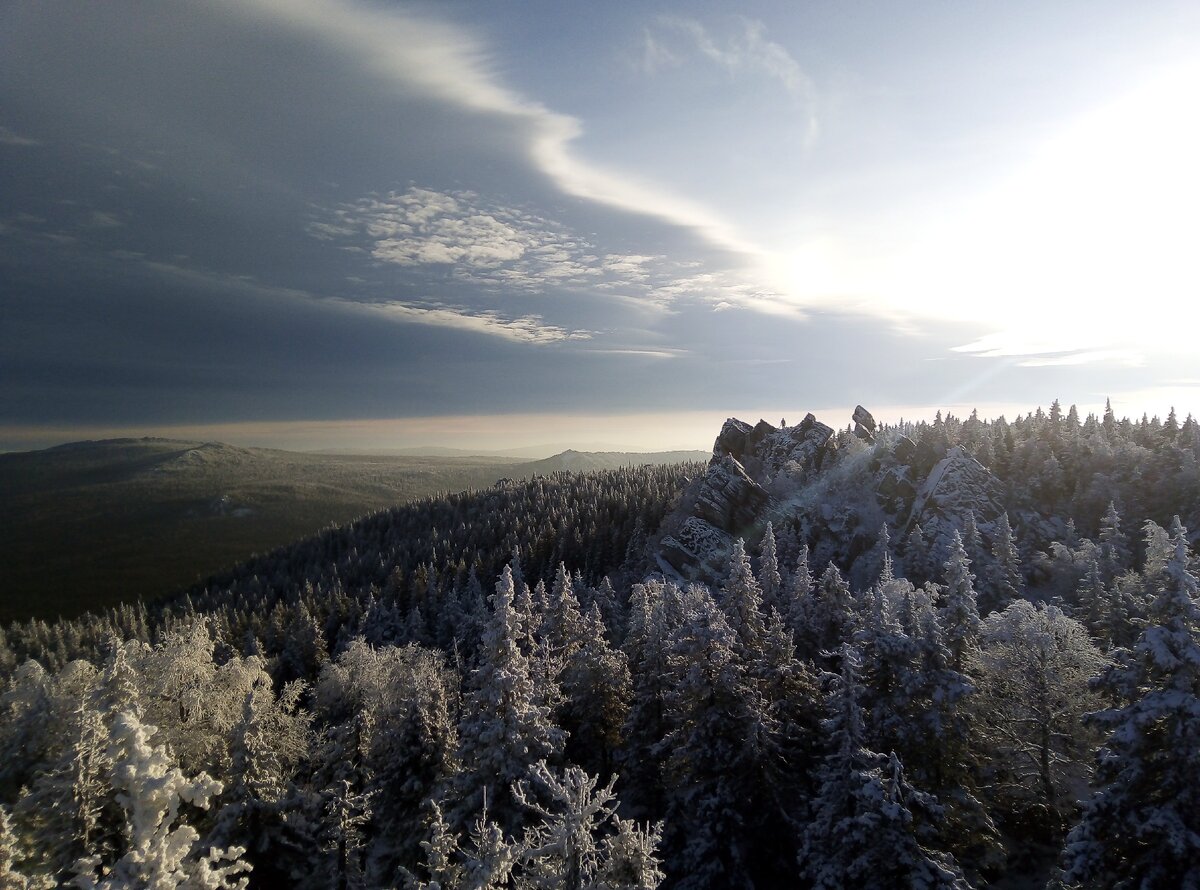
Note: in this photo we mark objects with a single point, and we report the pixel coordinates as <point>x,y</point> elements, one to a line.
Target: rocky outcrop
<point>728,498</point>
<point>695,548</point>
<point>957,486</point>
<point>864,424</point>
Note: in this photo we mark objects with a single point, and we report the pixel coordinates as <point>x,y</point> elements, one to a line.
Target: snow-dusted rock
<point>728,498</point>
<point>864,424</point>
<point>696,545</point>
<point>732,439</point>
<point>957,486</point>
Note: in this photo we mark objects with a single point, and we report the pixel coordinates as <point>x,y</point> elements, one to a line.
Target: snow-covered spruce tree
<point>769,579</point>
<point>566,850</point>
<point>596,688</point>
<point>919,564</point>
<point>1031,696</point>
<point>504,729</point>
<point>828,615</point>
<point>69,810</point>
<point>646,650</point>
<point>797,593</point>
<point>742,600</point>
<point>161,850</point>
<point>1114,545</point>
<point>959,613</point>
<point>485,862</point>
<point>973,545</point>
<point>11,878</point>
<point>1005,583</point>
<point>1142,827</point>
<point>269,742</point>
<point>347,813</point>
<point>1092,598</point>
<point>868,827</point>
<point>631,858</point>
<point>716,747</point>
<point>561,620</point>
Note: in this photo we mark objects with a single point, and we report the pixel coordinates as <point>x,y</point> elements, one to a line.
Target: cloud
<point>1048,350</point>
<point>747,50</point>
<point>438,60</point>
<point>504,249</point>
<point>655,56</point>
<point>522,329</point>
<point>1126,357</point>
<point>526,329</point>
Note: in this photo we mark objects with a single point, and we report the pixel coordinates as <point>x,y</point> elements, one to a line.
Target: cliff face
<point>831,491</point>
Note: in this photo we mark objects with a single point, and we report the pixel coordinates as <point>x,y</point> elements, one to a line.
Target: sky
<point>323,224</point>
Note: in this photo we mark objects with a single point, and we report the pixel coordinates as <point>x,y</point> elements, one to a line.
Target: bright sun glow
<point>1089,249</point>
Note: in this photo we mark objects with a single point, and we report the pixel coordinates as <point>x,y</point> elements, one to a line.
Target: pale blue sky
<point>298,214</point>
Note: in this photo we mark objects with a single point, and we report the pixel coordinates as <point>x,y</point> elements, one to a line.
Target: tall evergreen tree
<point>504,729</point>
<point>960,613</point>
<point>869,826</point>
<point>1142,827</point>
<point>769,578</point>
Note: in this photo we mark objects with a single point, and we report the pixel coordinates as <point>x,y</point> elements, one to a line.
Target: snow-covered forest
<point>942,654</point>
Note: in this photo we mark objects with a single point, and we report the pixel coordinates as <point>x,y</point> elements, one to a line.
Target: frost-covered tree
<point>1158,548</point>
<point>869,827</point>
<point>719,736</point>
<point>919,563</point>
<point>11,852</point>
<point>69,807</point>
<point>596,689</point>
<point>742,599</point>
<point>161,850</point>
<point>1142,827</point>
<point>1092,597</point>
<point>828,614</point>
<point>797,593</point>
<point>269,742</point>
<point>1006,583</point>
<point>505,729</point>
<point>1032,693</point>
<point>646,650</point>
<point>568,849</point>
<point>769,578</point>
<point>1114,546</point>
<point>959,614</point>
<point>562,622</point>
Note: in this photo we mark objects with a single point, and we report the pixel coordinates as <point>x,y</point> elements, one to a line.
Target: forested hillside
<point>90,525</point>
<point>946,654</point>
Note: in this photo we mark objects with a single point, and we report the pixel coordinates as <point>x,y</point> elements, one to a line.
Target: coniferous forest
<point>958,653</point>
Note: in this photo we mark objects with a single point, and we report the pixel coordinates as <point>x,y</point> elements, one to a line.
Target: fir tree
<point>769,579</point>
<point>959,614</point>
<point>504,729</point>
<point>1142,827</point>
<point>869,827</point>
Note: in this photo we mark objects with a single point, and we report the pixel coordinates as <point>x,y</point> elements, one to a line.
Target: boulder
<point>864,424</point>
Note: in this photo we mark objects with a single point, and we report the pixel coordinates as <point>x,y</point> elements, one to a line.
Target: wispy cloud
<point>1053,350</point>
<point>443,62</point>
<point>743,50</point>
<point>531,329</point>
<point>525,329</point>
